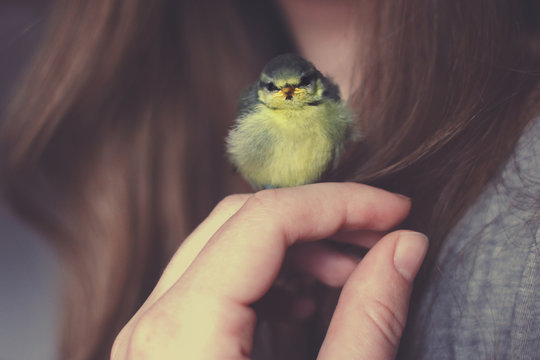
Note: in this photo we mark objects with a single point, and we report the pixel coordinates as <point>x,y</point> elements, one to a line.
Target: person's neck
<point>325,35</point>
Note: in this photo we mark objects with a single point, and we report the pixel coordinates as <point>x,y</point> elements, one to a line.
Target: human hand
<point>201,307</point>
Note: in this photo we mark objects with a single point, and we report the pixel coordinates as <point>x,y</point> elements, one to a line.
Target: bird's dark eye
<point>305,80</point>
<point>271,86</point>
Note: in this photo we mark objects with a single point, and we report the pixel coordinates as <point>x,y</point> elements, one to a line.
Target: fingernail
<point>410,252</point>
<point>403,196</point>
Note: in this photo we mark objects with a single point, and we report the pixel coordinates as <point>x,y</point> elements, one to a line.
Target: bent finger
<point>362,238</point>
<point>194,243</point>
<point>327,265</point>
<point>243,258</point>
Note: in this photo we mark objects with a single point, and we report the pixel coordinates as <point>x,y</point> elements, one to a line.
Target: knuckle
<point>263,199</point>
<point>118,344</point>
<point>230,202</point>
<point>385,319</point>
<point>142,335</point>
<point>368,212</point>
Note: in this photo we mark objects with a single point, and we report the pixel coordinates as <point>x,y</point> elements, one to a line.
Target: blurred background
<point>29,284</point>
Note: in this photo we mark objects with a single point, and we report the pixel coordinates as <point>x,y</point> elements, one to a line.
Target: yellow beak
<point>287,92</point>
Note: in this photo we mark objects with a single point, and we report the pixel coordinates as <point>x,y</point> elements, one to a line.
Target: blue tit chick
<point>292,126</point>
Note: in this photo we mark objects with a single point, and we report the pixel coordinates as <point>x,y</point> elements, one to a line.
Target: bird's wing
<point>247,100</point>
<point>350,133</point>
<point>331,90</point>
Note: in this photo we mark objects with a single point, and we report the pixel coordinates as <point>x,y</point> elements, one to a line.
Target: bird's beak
<point>288,92</point>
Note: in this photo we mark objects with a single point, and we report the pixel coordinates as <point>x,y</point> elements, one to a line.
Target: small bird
<point>292,126</point>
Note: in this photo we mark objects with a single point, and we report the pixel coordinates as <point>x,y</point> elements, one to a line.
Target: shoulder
<point>484,300</point>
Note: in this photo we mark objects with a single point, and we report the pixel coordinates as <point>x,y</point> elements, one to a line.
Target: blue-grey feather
<point>287,64</point>
<point>248,100</point>
<point>331,90</point>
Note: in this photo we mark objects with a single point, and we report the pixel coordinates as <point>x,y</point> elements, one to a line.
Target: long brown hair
<point>113,146</point>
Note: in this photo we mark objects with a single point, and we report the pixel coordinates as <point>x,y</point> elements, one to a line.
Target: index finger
<point>244,256</point>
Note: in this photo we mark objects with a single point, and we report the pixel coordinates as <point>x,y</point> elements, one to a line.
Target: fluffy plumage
<point>292,126</point>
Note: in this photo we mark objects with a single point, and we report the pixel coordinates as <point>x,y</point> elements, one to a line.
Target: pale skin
<point>201,306</point>
<point>326,34</point>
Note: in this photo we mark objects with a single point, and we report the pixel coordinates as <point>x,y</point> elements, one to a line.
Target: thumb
<point>372,310</point>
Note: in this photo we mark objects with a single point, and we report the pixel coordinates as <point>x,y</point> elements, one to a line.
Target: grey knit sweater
<point>483,302</point>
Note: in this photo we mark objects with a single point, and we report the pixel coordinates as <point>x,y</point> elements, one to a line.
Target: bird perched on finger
<point>292,126</point>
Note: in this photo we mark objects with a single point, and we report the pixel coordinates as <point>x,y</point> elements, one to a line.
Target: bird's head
<point>288,81</point>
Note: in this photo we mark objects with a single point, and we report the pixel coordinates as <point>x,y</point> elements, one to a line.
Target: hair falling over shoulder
<point>113,146</point>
